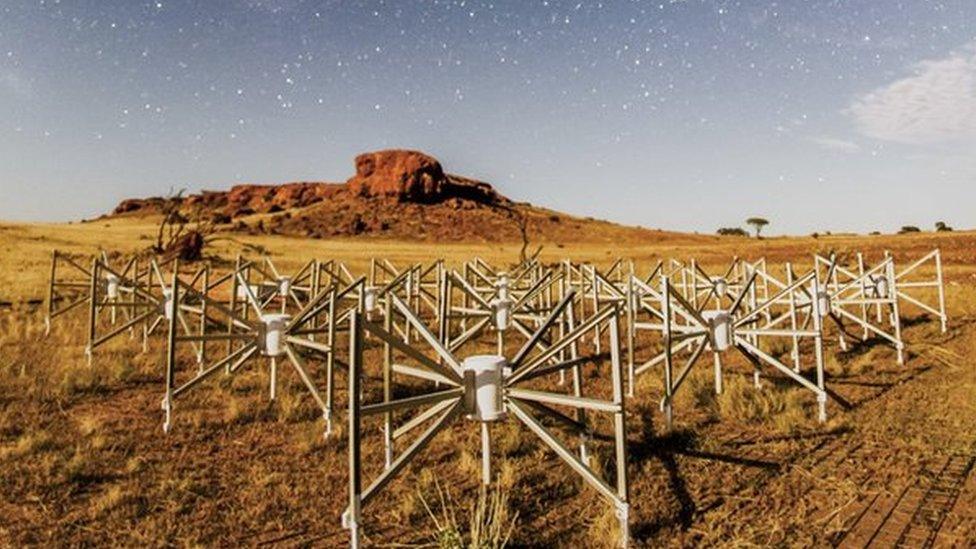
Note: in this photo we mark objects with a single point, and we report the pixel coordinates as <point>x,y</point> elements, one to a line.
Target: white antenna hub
<point>823,302</point>
<point>271,334</point>
<point>483,375</point>
<point>371,299</point>
<point>502,285</point>
<point>720,328</point>
<point>112,286</point>
<point>501,309</point>
<point>721,286</point>
<point>284,286</point>
<point>169,305</point>
<point>879,283</point>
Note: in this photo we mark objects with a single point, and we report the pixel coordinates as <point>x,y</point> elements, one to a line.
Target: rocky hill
<point>397,194</point>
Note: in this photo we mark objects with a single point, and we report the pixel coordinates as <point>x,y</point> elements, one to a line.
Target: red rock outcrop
<point>408,176</point>
<point>412,176</point>
<point>395,193</point>
<point>240,200</point>
<point>401,175</point>
<point>249,199</point>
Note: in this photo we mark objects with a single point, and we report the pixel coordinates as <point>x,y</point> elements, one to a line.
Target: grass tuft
<point>785,408</point>
<point>490,521</point>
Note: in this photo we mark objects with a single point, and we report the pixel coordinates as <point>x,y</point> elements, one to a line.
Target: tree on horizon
<point>757,223</point>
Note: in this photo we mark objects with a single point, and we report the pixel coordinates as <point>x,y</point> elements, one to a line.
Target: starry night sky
<point>687,115</point>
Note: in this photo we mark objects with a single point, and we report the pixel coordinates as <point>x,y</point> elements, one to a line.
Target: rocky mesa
<point>400,194</point>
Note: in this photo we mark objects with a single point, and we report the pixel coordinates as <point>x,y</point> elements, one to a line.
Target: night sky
<point>686,115</point>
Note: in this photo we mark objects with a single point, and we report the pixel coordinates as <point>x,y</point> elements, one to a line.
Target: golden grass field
<point>83,460</point>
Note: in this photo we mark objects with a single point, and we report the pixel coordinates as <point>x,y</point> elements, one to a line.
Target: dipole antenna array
<point>420,328</point>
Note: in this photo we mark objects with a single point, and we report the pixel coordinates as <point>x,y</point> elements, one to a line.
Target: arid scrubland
<point>83,459</point>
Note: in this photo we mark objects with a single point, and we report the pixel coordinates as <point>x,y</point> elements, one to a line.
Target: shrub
<point>732,231</point>
<point>909,229</point>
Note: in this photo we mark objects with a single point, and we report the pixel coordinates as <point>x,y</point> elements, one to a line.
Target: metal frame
<point>737,327</point>
<point>697,287</point>
<point>909,280</point>
<point>248,339</point>
<point>143,306</point>
<point>59,288</point>
<point>696,284</point>
<point>75,287</point>
<point>600,287</point>
<point>447,405</point>
<point>497,304</point>
<point>848,295</point>
<point>290,291</point>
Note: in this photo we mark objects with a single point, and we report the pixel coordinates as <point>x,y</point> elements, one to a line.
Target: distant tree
<point>732,231</point>
<point>520,219</point>
<point>757,224</point>
<point>940,226</point>
<point>909,229</point>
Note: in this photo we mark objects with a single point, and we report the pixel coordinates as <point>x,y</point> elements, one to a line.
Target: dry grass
<point>27,446</point>
<point>490,522</point>
<point>604,531</point>
<point>84,461</point>
<point>27,249</point>
<point>741,400</point>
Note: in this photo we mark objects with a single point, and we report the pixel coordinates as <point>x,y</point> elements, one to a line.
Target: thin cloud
<point>839,145</point>
<point>936,104</point>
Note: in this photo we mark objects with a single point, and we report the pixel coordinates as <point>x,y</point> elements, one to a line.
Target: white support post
<point>388,383</point>
<point>818,353</point>
<point>895,313</point>
<point>666,405</point>
<point>485,454</point>
<point>353,515</point>
<point>795,349</point>
<point>632,306</point>
<point>834,286</point>
<point>864,293</point>
<point>171,351</point>
<point>274,379</point>
<point>943,319</point>
<point>717,358</point>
